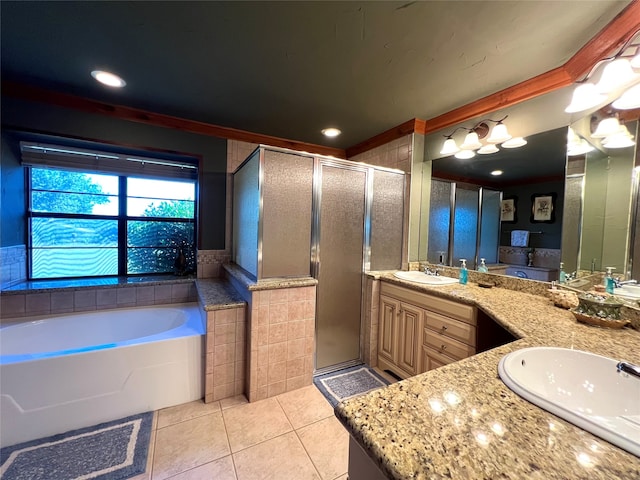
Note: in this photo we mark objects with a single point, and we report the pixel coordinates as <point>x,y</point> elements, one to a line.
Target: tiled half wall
<point>281,337</point>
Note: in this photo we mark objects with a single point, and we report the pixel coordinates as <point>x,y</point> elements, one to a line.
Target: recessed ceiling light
<point>497,172</point>
<point>331,132</point>
<point>108,78</point>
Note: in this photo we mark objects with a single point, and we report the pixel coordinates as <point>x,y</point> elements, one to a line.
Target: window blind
<point>41,155</point>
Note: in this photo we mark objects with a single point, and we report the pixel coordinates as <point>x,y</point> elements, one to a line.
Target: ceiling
<point>289,69</point>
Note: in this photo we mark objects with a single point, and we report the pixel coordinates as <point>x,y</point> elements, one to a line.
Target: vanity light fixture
<point>109,79</point>
<point>607,126</point>
<point>629,99</point>
<point>621,139</point>
<point>331,132</point>
<point>499,134</point>
<point>619,74</point>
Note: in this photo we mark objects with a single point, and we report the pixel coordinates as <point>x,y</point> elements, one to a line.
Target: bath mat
<point>110,451</point>
<point>348,383</point>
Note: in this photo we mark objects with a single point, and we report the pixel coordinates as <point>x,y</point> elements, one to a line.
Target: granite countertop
<point>217,294</point>
<point>267,284</point>
<point>461,422</point>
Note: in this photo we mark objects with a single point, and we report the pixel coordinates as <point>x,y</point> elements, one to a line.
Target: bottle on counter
<point>562,277</point>
<point>464,274</point>
<point>608,280</point>
<point>483,266</point>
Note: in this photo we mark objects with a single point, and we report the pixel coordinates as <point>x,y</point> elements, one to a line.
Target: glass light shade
<point>635,61</point>
<point>450,147</point>
<point>108,78</point>
<point>629,99</point>
<point>487,149</point>
<point>579,148</point>
<point>471,142</point>
<point>616,74</point>
<point>606,127</point>
<point>618,140</point>
<point>585,96</point>
<point>465,154</point>
<point>515,142</point>
<point>499,134</point>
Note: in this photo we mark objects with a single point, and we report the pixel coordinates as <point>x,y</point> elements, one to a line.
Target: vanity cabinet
<point>420,332</point>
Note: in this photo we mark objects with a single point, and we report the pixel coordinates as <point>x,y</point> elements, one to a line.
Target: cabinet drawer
<point>463,312</point>
<point>452,328</point>
<point>431,359</point>
<point>445,345</point>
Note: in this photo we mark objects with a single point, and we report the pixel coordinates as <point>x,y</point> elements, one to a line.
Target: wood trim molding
<point>38,94</point>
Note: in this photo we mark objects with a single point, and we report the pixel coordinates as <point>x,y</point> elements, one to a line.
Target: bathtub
<point>72,371</point>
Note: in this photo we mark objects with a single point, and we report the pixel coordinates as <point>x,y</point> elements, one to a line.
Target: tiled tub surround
<point>280,330</point>
<point>210,262</point>
<point>225,360</point>
<point>542,257</point>
<point>13,265</point>
<point>410,430</point>
<point>62,296</point>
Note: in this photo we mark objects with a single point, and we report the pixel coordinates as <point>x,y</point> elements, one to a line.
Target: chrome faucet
<point>570,276</point>
<point>629,368</point>
<point>435,272</point>
<point>619,283</point>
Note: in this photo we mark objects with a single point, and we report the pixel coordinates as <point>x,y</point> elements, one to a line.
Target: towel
<point>520,238</point>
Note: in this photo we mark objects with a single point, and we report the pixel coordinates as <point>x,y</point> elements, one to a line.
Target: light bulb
<point>108,78</point>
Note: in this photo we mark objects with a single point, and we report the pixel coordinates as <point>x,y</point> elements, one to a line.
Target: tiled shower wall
<point>13,264</point>
<point>395,154</point>
<point>18,304</point>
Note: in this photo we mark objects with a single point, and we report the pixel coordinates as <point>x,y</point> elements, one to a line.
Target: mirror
<point>591,216</point>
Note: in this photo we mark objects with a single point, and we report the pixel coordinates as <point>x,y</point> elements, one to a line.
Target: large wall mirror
<point>578,208</point>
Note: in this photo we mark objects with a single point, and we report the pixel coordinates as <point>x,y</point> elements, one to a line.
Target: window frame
<point>122,219</point>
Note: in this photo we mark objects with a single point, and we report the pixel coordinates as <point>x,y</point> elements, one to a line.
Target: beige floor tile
<point>281,458</point>
<point>221,469</point>
<point>305,406</point>
<point>232,401</point>
<point>189,444</point>
<point>255,422</point>
<point>186,411</point>
<point>327,443</point>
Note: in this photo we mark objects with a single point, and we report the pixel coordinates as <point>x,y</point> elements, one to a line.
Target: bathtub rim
<point>195,326</point>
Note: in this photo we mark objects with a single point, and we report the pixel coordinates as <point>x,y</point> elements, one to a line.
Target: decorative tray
<point>599,321</point>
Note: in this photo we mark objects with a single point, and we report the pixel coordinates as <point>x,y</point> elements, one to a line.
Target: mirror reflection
<point>544,208</point>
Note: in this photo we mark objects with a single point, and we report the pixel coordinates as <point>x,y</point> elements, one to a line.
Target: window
<point>83,223</point>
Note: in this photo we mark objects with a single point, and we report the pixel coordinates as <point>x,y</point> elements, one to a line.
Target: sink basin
<point>583,388</point>
<point>420,277</point>
<point>628,291</point>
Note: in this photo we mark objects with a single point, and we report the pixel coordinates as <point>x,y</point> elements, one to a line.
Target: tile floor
<point>291,436</point>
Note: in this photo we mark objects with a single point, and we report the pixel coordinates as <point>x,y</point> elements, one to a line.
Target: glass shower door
<point>340,216</point>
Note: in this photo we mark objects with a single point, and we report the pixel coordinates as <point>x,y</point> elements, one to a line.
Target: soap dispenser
<point>608,280</point>
<point>483,266</point>
<point>562,277</point>
<point>464,274</point>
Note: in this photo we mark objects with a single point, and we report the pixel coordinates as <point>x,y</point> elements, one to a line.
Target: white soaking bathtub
<point>66,372</point>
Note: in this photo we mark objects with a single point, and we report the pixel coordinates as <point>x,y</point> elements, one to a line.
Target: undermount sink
<point>582,388</point>
<point>420,277</point>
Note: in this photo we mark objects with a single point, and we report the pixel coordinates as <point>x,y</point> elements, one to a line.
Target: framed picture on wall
<point>543,208</point>
<point>508,210</point>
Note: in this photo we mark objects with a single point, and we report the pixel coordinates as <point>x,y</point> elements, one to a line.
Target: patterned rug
<point>348,383</point>
<point>110,451</point>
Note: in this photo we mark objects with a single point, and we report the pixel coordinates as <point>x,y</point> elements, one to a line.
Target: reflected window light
<point>475,413</point>
<point>552,426</point>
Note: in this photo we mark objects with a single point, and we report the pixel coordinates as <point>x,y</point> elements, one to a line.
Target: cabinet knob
<point>444,327</point>
<point>443,347</point>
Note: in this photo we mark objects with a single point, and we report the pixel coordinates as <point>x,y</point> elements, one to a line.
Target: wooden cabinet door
<point>432,359</point>
<point>387,329</point>
<point>409,327</point>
